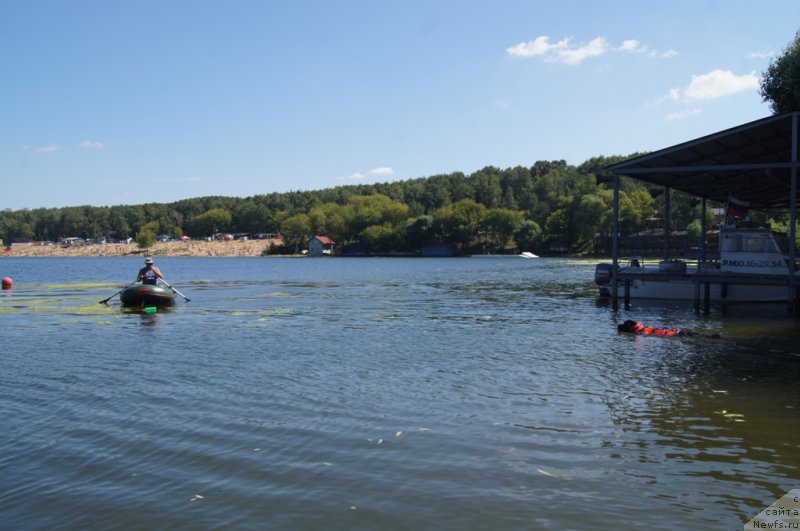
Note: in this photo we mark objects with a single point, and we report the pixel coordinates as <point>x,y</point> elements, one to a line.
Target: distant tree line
<point>550,207</point>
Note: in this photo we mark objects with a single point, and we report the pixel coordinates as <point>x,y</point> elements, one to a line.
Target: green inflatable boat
<point>142,295</point>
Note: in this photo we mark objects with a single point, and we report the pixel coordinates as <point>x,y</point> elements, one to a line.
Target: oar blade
<point>174,290</point>
<point>105,301</point>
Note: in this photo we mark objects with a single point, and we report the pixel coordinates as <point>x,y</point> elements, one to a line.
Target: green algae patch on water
<point>279,295</point>
<point>80,285</point>
<point>87,309</point>
<point>36,302</point>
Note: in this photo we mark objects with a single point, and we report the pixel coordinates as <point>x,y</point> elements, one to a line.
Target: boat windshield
<point>783,242</point>
<point>750,242</point>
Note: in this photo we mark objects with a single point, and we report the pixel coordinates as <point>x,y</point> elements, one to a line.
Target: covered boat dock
<point>756,162</point>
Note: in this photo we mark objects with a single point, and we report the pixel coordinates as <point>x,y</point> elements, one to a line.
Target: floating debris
<point>737,417</point>
<point>196,497</point>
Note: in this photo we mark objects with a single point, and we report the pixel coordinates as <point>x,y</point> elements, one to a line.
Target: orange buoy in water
<point>7,282</point>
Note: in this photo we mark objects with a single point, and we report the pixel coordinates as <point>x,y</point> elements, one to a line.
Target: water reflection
<point>149,316</point>
<point>710,408</point>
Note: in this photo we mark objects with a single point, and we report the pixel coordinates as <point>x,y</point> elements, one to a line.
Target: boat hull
<point>142,295</point>
<point>685,290</point>
<point>753,266</point>
<point>654,284</point>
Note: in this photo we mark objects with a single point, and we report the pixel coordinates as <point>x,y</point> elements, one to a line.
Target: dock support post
<point>707,298</point>
<point>627,294</point>
<point>703,238</point>
<point>615,245</point>
<point>666,223</point>
<point>793,216</point>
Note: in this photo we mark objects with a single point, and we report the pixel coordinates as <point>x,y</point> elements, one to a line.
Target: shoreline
<point>159,249</point>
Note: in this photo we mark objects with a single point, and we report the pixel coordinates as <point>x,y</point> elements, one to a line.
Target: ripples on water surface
<point>484,393</point>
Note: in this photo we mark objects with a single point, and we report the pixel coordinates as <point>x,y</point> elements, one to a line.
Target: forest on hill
<point>550,207</point>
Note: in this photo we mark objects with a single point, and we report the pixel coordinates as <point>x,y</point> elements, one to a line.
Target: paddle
<point>173,289</point>
<point>117,293</point>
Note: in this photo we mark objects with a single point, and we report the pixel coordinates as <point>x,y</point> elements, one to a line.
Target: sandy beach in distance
<point>175,248</point>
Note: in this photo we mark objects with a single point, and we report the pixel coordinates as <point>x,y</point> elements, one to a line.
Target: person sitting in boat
<point>149,274</point>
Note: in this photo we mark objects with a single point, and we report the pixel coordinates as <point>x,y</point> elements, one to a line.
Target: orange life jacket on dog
<point>639,328</point>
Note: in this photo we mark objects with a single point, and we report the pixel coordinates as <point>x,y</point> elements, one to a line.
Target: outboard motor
<point>602,273</point>
<point>602,277</point>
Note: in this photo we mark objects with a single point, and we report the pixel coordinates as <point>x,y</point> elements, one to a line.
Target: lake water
<point>476,393</point>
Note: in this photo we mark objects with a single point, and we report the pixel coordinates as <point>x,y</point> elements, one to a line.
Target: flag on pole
<point>737,208</point>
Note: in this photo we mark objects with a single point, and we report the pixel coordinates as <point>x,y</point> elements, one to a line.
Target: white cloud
<point>573,56</point>
<point>763,54</point>
<point>565,52</point>
<point>632,45</point>
<point>352,177</point>
<point>92,144</point>
<point>674,94</point>
<point>713,85</point>
<point>683,114</point>
<point>52,148</point>
<point>358,176</point>
<point>719,83</point>
<point>539,46</point>
<point>383,170</point>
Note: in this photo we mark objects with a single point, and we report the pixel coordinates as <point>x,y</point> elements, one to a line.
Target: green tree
<point>528,235</point>
<point>119,224</point>
<point>419,232</point>
<point>146,236</point>
<point>12,230</point>
<point>368,210</point>
<point>459,222</point>
<point>561,226</point>
<point>383,237</point>
<point>593,215</point>
<point>780,83</point>
<point>332,220</point>
<point>695,231</point>
<point>211,222</point>
<point>634,209</point>
<point>296,230</point>
<point>486,184</point>
<point>251,216</point>
<point>500,224</point>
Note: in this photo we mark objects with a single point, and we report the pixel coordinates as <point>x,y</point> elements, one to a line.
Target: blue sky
<point>109,103</point>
